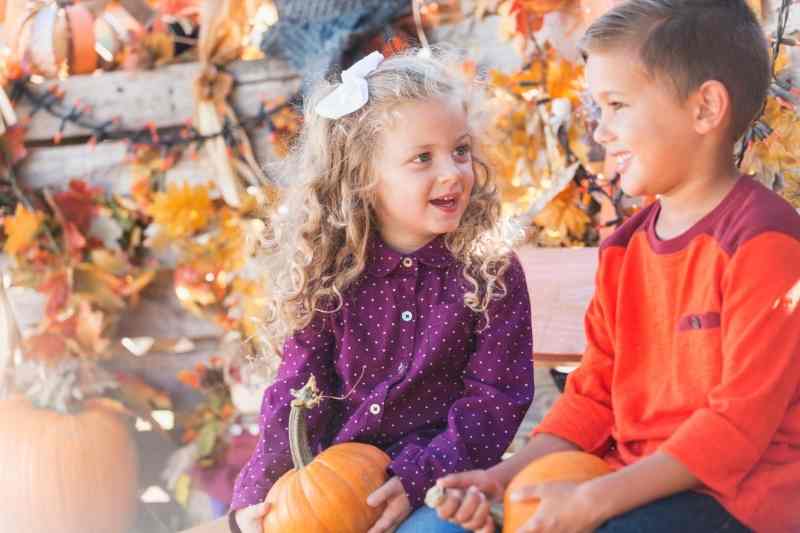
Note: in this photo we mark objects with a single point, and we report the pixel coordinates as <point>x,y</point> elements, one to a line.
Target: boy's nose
<point>602,135</point>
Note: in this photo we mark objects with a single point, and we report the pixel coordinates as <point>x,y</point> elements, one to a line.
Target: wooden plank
<point>162,96</point>
<point>105,165</point>
<point>560,284</point>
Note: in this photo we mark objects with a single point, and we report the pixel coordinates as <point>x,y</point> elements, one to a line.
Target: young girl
<point>394,287</point>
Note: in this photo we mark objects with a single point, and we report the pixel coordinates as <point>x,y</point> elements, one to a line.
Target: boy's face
<point>646,131</point>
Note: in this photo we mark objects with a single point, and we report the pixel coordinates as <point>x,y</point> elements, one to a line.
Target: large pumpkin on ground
<point>561,466</point>
<point>327,492</point>
<point>66,473</point>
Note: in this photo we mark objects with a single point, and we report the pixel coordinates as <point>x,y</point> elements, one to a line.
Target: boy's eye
<point>424,157</point>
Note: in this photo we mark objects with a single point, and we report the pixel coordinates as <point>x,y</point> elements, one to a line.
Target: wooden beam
<point>106,165</point>
<point>162,97</point>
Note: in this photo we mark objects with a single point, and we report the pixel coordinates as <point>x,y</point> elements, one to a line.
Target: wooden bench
<point>560,283</point>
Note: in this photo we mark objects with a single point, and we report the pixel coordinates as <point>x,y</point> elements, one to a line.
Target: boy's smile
<point>646,130</point>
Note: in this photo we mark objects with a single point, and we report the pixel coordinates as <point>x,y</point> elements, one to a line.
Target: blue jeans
<point>685,512</point>
<point>425,520</point>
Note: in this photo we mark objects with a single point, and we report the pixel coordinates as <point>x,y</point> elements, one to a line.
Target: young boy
<point>690,384</point>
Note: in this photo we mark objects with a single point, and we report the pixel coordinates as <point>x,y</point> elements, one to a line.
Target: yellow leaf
<point>182,488</point>
<point>21,229</point>
<point>182,210</point>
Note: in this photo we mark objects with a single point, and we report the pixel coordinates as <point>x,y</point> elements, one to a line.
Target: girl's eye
<point>616,105</point>
<point>463,151</point>
<point>424,157</point>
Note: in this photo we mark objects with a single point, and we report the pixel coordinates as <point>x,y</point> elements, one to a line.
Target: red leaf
<point>57,289</point>
<point>78,204</point>
<point>74,238</point>
<point>15,139</point>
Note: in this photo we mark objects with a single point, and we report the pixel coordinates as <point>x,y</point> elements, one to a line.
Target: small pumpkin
<point>71,473</point>
<point>53,39</point>
<point>561,466</point>
<point>327,492</point>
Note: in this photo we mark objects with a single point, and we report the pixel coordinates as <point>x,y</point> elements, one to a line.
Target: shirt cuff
<point>706,434</point>
<point>415,480</point>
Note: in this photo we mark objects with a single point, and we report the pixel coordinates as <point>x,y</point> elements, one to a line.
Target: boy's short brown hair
<point>691,42</point>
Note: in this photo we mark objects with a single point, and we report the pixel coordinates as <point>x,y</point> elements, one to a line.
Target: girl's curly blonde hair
<point>319,238</point>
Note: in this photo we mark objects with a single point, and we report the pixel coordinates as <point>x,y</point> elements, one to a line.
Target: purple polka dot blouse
<point>428,383</point>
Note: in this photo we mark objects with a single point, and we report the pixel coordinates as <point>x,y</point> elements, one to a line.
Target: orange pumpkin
<point>71,473</point>
<point>327,492</point>
<point>561,466</point>
<point>52,38</point>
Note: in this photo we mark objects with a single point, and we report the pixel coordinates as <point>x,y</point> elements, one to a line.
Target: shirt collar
<point>383,260</point>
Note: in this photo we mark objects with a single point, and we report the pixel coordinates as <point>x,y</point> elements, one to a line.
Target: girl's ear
<point>711,104</point>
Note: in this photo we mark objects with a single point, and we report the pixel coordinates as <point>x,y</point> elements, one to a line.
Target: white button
<point>407,316</point>
<point>374,408</point>
<point>408,262</point>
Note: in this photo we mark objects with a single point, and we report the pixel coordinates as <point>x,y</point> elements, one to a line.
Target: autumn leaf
<point>78,204</point>
<point>57,288</point>
<point>46,347</point>
<point>14,139</point>
<point>562,214</point>
<point>189,378</point>
<point>777,154</point>
<point>74,240</point>
<point>21,229</point>
<point>563,80</point>
<point>182,210</point>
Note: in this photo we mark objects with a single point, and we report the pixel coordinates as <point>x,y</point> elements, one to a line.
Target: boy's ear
<point>711,107</point>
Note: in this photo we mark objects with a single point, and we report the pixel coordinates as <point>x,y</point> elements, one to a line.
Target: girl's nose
<point>449,171</point>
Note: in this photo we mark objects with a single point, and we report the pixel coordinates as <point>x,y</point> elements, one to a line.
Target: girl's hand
<point>564,507</point>
<point>251,519</point>
<point>468,498</point>
<point>397,509</point>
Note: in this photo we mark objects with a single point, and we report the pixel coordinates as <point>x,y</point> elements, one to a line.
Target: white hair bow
<point>353,92</point>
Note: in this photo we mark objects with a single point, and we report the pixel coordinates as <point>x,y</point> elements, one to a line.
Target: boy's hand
<point>563,508</point>
<point>251,519</point>
<point>397,509</point>
<point>468,498</point>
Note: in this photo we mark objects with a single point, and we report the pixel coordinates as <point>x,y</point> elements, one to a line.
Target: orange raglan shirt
<point>693,348</point>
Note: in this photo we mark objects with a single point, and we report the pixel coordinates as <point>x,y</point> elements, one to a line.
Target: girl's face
<point>424,172</point>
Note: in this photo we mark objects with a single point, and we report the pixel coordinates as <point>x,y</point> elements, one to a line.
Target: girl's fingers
<point>462,480</point>
<point>480,517</point>
<point>469,504</point>
<point>450,505</point>
<point>384,492</point>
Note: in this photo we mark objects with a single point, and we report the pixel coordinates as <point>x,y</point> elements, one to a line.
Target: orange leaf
<point>21,229</point>
<point>47,347</point>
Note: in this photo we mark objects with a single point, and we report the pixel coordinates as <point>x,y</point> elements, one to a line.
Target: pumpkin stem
<point>306,398</point>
